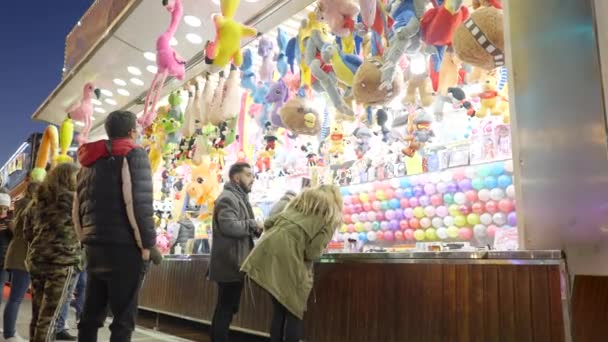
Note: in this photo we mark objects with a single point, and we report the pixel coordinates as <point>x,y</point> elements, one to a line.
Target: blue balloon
<point>490,182</point>
<point>394,203</point>
<point>408,192</point>
<point>497,169</point>
<point>504,181</point>
<point>405,183</point>
<point>344,191</point>
<point>363,237</point>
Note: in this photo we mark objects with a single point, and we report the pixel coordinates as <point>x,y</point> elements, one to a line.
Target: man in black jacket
<point>234,227</point>
<point>113,214</point>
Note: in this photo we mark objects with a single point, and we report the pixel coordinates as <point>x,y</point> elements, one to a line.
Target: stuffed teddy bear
<point>366,84</point>
<point>336,140</point>
<point>339,15</point>
<point>418,87</point>
<point>480,41</point>
<point>300,117</point>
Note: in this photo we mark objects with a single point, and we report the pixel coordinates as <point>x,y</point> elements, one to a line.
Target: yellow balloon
<point>431,234</point>
<point>419,235</point>
<point>344,229</point>
<point>419,212</point>
<point>460,221</point>
<point>453,232</point>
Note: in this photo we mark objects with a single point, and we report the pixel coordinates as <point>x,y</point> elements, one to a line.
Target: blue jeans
<point>79,293</point>
<point>19,285</point>
<point>63,315</point>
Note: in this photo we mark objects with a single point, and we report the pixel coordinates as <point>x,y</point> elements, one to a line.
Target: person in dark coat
<point>234,228</point>
<point>186,232</point>
<point>114,217</point>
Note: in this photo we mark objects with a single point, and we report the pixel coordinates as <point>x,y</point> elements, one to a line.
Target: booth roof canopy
<point>122,65</point>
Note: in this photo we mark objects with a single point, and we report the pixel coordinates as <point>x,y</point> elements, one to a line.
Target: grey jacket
<point>234,227</point>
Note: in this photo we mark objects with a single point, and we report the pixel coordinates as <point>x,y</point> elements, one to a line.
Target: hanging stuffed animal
<point>489,98</point>
<point>344,65</point>
<point>190,115</point>
<point>168,62</point>
<point>203,144</point>
<point>336,140</point>
<point>82,111</point>
<point>215,112</point>
<point>197,111</point>
<point>418,86</point>
<point>362,137</point>
<point>405,36</point>
<point>300,116</point>
<point>459,98</point>
<point>282,63</point>
<point>204,187</point>
<point>382,120</point>
<point>47,153</point>
<point>419,131</point>
<point>228,32</point>
<point>480,40</point>
<point>366,84</point>
<point>266,52</point>
<point>277,95</point>
<point>339,15</point>
<point>318,55</point>
<point>248,80</point>
<point>439,23</point>
<point>231,104</point>
<point>206,103</point>
<point>368,11</point>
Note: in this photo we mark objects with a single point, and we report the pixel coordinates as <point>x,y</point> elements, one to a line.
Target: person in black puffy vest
<point>113,214</point>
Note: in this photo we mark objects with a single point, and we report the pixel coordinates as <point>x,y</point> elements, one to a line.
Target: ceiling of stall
<point>123,64</point>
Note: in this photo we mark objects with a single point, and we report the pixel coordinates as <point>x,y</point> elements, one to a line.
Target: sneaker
<point>65,336</point>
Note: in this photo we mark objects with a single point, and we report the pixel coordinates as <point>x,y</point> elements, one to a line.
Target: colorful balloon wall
<point>461,204</point>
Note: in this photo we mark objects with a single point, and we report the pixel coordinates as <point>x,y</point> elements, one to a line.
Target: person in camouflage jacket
<point>54,254</point>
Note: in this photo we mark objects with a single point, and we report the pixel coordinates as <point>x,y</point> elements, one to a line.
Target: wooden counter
<point>374,298</point>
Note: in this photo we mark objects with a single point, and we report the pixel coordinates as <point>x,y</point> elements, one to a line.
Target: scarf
<point>239,192</point>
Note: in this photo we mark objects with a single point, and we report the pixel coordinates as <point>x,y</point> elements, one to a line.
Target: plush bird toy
<point>82,111</point>
<point>228,37</point>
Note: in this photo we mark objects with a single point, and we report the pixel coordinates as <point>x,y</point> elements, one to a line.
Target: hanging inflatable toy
<point>405,36</point>
<point>277,96</point>
<point>168,62</point>
<point>82,110</point>
<point>266,52</point>
<point>282,62</point>
<point>229,32</point>
<point>66,136</point>
<point>204,186</point>
<point>480,40</point>
<point>339,15</point>
<point>47,152</point>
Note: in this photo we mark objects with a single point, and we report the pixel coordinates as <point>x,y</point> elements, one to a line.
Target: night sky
<point>33,34</point>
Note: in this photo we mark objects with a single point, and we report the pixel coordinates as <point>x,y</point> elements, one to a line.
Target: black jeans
<point>115,274</point>
<point>228,299</point>
<point>285,326</point>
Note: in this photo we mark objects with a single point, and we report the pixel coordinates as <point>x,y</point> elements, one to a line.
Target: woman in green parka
<point>282,260</point>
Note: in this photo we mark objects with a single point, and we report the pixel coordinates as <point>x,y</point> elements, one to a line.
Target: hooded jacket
<point>114,201</point>
<point>278,207</point>
<point>281,262</point>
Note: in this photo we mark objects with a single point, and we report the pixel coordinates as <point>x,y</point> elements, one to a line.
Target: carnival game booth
<point>13,173</point>
<point>424,112</point>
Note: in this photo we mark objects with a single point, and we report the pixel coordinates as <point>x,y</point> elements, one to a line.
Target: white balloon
<point>371,236</point>
<point>437,222</point>
<point>511,191</point>
<point>497,194</point>
<point>345,237</point>
<point>469,172</point>
<point>509,166</point>
<point>499,219</point>
<point>429,211</point>
<point>414,180</point>
<point>395,183</point>
<point>446,176</point>
<point>486,219</point>
<point>460,198</point>
<point>442,233</point>
<point>354,236</point>
<point>448,221</point>
<point>484,195</point>
<point>480,231</point>
<point>425,222</point>
<point>434,177</point>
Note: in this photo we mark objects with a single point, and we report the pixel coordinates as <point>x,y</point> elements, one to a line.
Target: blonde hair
<point>324,201</point>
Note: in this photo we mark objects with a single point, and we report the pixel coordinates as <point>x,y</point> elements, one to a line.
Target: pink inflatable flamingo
<point>82,111</point>
<point>169,63</point>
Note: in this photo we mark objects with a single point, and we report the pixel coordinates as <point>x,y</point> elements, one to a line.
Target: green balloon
<point>448,198</point>
<point>477,183</point>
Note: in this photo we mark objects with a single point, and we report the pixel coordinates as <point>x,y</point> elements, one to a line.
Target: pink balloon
<point>478,208</point>
<point>414,223</point>
<point>389,214</point>
<point>371,196</point>
<point>405,203</point>
<point>436,200</point>
<point>379,216</point>
<point>377,185</point>
<point>363,217</point>
<point>346,218</point>
<point>376,205</point>
<point>388,235</point>
<point>464,209</point>
<point>367,206</point>
<point>458,174</point>
<point>408,234</point>
<point>404,225</point>
<point>429,189</point>
<point>371,216</point>
<point>414,202</point>
<point>471,196</point>
<point>354,218</point>
<point>491,231</point>
<point>491,207</point>
<point>386,185</point>
<point>347,199</point>
<point>389,193</point>
<point>505,205</point>
<point>465,234</point>
<point>351,228</point>
<point>399,236</point>
<point>355,200</point>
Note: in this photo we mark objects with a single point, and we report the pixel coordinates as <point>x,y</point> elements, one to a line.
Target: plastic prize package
<point>506,239</point>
